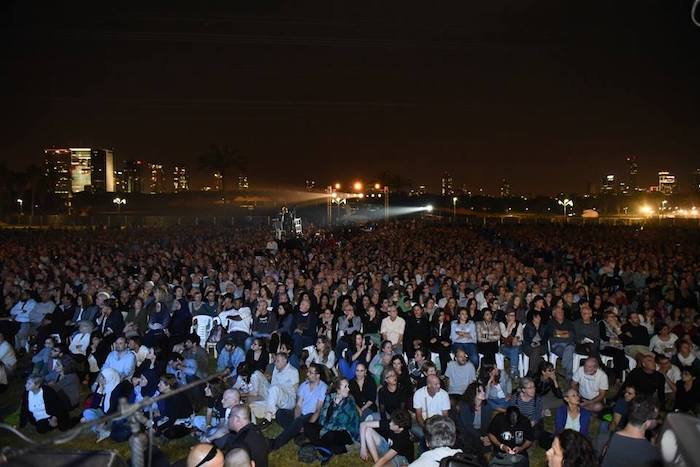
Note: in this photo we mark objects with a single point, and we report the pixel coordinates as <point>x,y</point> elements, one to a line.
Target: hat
<point>103,294</point>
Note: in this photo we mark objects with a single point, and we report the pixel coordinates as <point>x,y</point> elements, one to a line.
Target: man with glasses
<point>310,397</point>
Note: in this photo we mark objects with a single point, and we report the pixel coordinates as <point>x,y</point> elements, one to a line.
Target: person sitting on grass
<point>440,436</point>
<point>42,407</point>
<point>387,441</point>
<point>572,415</point>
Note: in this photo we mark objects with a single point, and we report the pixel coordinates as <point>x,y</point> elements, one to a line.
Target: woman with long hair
<point>440,341</point>
<point>322,354</point>
<point>473,418</point>
<point>571,449</point>
<point>363,390</point>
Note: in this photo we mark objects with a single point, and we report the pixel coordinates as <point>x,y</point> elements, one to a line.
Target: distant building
<point>667,183</point>
<point>447,185</point>
<point>243,182</point>
<point>608,185</point>
<point>81,172</point>
<point>156,180</point>
<point>57,168</point>
<point>505,188</point>
<point>102,176</point>
<point>181,179</point>
<point>135,176</point>
<point>696,180</point>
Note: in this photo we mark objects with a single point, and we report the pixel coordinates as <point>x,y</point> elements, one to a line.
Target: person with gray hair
<point>441,434</point>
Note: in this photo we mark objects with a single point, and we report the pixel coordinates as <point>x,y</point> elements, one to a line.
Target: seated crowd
<point>413,342</point>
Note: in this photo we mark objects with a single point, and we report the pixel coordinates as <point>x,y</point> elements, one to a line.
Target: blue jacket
<point>230,360</point>
<point>560,420</point>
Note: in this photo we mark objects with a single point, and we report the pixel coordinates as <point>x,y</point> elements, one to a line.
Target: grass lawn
<point>177,449</point>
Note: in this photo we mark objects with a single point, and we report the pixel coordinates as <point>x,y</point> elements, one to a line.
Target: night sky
<point>550,94</point>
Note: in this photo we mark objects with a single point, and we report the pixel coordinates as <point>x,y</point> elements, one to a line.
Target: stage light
<point>429,208</point>
<point>357,186</point>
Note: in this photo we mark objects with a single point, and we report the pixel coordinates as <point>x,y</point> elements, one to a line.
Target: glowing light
<point>334,195</point>
<point>646,210</point>
<point>379,195</point>
<point>377,186</point>
<point>337,186</point>
<point>429,208</point>
<point>361,195</point>
<point>357,186</point>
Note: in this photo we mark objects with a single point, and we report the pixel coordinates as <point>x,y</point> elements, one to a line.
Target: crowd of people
<point>412,342</point>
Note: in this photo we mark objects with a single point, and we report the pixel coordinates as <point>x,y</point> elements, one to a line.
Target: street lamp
<point>119,202</point>
<point>357,186</point>
<point>566,202</point>
<point>454,208</point>
<point>337,186</point>
<point>20,201</point>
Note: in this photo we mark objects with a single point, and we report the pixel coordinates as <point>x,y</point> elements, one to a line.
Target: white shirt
<point>315,357</point>
<point>82,340</point>
<point>393,329</point>
<point>36,405</point>
<point>590,385</point>
<point>430,406</point>
<point>667,348</point>
<point>674,374</point>
<point>22,309</point>
<point>433,457</point>
<point>573,423</point>
<point>7,355</point>
<point>243,325</point>
<point>286,379</point>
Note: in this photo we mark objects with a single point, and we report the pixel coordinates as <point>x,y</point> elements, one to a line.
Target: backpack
<point>308,454</point>
<point>461,459</point>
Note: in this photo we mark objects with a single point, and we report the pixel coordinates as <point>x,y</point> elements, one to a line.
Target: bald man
<point>205,455</point>
<point>238,457</point>
<point>246,435</point>
<point>229,399</point>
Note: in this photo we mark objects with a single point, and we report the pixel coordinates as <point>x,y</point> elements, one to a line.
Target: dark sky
<point>550,94</point>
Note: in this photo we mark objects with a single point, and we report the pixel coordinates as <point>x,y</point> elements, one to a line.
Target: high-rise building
<point>156,182</point>
<point>633,170</point>
<point>608,185</point>
<point>447,184</point>
<point>696,180</point>
<point>667,183</point>
<point>102,173</point>
<point>57,168</point>
<point>136,176</point>
<point>243,182</point>
<point>181,179</point>
<point>81,170</point>
<point>505,188</point>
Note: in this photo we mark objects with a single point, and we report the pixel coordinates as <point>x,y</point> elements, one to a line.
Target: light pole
<point>566,202</point>
<point>20,201</point>
<point>119,202</point>
<point>454,209</point>
<point>386,204</point>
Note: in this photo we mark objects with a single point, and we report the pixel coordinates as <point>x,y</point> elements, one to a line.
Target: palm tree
<point>224,160</point>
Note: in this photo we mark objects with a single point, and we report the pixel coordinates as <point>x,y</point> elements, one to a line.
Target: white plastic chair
<point>577,360</point>
<point>523,365</point>
<point>500,360</point>
<point>202,325</point>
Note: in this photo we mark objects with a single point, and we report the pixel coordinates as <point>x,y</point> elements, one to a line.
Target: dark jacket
<point>416,328</point>
<point>123,389</point>
<point>55,407</point>
<point>469,436</point>
<point>562,414</point>
<point>251,439</point>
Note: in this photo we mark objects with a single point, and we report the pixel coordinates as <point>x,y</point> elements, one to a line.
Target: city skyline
<point>551,97</point>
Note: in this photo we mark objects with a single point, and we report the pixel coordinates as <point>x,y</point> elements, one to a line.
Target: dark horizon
<point>550,95</point>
